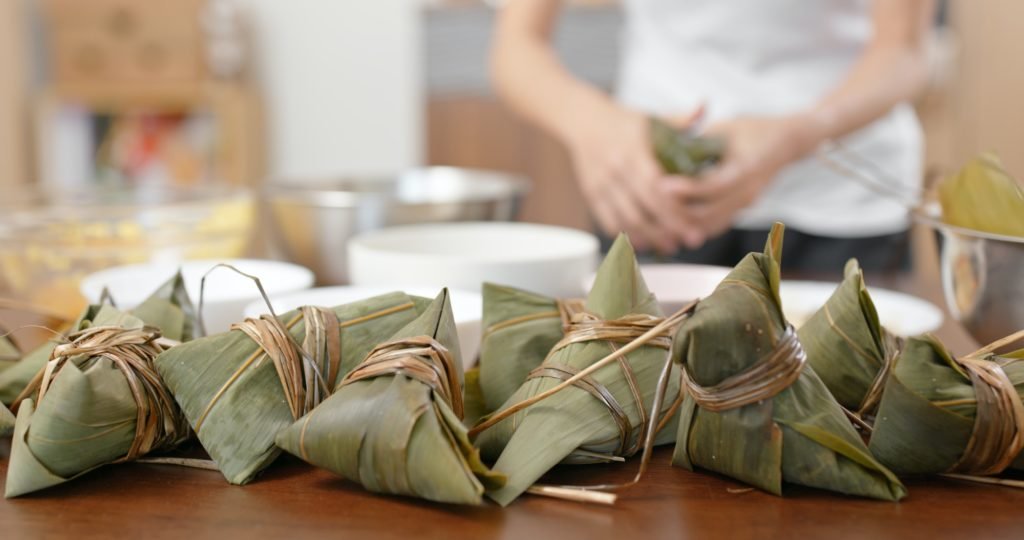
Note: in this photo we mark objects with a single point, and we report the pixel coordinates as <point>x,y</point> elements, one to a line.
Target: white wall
<point>342,83</point>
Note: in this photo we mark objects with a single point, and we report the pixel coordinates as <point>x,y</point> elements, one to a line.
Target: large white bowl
<point>226,293</point>
<point>540,258</point>
<point>467,308</point>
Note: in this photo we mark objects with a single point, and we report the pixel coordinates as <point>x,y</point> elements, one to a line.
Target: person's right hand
<point>619,176</point>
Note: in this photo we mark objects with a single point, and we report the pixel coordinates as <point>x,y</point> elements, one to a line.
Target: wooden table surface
<point>294,500</point>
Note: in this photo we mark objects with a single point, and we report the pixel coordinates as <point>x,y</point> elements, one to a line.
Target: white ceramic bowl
<point>467,307</point>
<point>540,258</point>
<point>227,293</point>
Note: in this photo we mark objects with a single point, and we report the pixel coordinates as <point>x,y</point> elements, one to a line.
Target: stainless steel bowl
<point>311,222</point>
<point>983,280</point>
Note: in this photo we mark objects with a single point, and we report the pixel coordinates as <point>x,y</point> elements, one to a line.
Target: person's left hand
<point>757,148</point>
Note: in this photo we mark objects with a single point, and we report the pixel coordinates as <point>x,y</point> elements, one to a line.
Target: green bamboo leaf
<point>572,426</point>
<point>225,381</point>
<point>520,328</point>
<point>684,153</point>
<point>844,341</point>
<point>87,419</point>
<point>928,409</point>
<point>395,434</point>
<point>801,435</point>
<point>168,309</point>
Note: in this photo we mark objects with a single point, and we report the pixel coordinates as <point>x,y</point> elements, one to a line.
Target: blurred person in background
<point>776,79</point>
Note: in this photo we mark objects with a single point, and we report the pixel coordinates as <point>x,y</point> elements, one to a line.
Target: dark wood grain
<point>293,500</point>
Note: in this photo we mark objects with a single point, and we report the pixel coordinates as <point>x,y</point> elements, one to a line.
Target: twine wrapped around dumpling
<point>943,414</point>
<point>520,328</point>
<point>97,401</point>
<point>168,309</point>
<point>239,389</point>
<point>754,409</point>
<point>603,415</point>
<point>848,347</point>
<point>394,423</point>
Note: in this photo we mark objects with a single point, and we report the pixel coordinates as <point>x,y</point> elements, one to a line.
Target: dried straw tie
<point>893,349</point>
<point>770,375</point>
<point>585,327</point>
<point>998,434</point>
<point>159,422</point>
<point>633,333</point>
<point>893,346</point>
<point>306,372</point>
<point>421,358</point>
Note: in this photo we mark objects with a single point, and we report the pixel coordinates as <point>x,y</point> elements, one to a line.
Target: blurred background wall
<point>327,88</point>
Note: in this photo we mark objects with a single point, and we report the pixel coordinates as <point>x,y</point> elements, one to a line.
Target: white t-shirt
<point>772,57</point>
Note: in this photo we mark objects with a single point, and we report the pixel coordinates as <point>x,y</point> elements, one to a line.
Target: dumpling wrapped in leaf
<point>240,388</point>
<point>97,401</point>
<point>520,328</point>
<point>394,424</point>
<point>848,347</point>
<point>983,197</point>
<point>942,414</point>
<point>604,416</point>
<point>754,410</point>
<point>168,309</point>
<point>682,152</point>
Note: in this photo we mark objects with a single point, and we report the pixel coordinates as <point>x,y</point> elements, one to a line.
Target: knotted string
<point>159,422</point>
<point>869,404</point>
<point>585,327</point>
<point>998,434</point>
<point>770,375</point>
<point>421,358</point>
<point>598,493</point>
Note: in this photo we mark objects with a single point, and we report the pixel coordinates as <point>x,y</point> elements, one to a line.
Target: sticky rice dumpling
<point>394,424</point>
<point>97,401</point>
<point>240,388</point>
<point>848,347</point>
<point>754,410</point>
<point>605,415</point>
<point>168,309</point>
<point>684,153</point>
<point>943,414</point>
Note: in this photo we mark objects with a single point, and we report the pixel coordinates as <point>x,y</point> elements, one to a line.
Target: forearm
<point>893,69</point>
<point>527,74</point>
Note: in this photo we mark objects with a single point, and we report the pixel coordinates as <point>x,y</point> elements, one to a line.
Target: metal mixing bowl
<point>311,222</point>
<point>983,280</point>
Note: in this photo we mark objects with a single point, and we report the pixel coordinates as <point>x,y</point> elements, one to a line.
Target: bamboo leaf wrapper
<point>169,309</point>
<point>764,430</point>
<point>848,347</point>
<point>98,401</point>
<point>930,411</point>
<point>606,415</point>
<point>394,424</point>
<point>231,390</point>
<point>520,328</point>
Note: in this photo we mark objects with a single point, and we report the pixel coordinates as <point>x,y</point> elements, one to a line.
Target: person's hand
<point>620,179</point>
<point>757,148</point>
